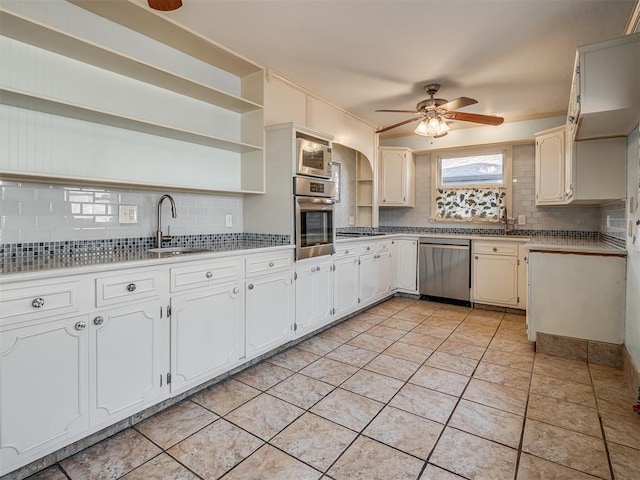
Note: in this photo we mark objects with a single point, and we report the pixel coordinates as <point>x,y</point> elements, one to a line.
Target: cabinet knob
<point>571,118</point>
<point>368,248</point>
<point>98,321</point>
<point>271,264</point>
<point>236,290</point>
<point>313,269</point>
<point>37,302</point>
<point>495,249</point>
<point>476,257</point>
<point>81,325</point>
<point>131,287</point>
<point>251,286</point>
<point>317,269</point>
<point>208,274</point>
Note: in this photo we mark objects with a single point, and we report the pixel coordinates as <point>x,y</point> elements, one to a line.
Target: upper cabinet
<point>605,98</point>
<point>397,177</point>
<point>137,100</point>
<point>586,172</point>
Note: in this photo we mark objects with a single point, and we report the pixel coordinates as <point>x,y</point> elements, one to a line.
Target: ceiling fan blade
<point>474,117</point>
<point>165,5</point>
<point>398,124</point>
<point>441,135</point>
<point>399,111</point>
<point>458,103</point>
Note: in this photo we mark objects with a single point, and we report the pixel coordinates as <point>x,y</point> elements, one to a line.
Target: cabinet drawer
<point>495,248</point>
<point>128,286</point>
<point>383,247</point>
<point>26,301</point>
<point>273,263</point>
<point>346,250</point>
<point>367,248</point>
<point>205,274</point>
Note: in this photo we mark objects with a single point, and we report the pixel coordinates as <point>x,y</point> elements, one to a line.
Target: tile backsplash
<point>41,212</point>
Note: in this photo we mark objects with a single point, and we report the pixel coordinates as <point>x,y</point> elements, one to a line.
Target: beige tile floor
<point>406,390</point>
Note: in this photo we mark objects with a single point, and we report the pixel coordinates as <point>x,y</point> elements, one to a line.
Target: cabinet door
<point>270,311</point>
<point>383,271</point>
<point>407,265</point>
<point>129,360</point>
<point>368,276</point>
<point>495,279</point>
<point>345,285</point>
<point>207,334</point>
<point>323,294</point>
<point>314,296</point>
<point>44,394</point>
<point>396,175</point>
<point>550,163</point>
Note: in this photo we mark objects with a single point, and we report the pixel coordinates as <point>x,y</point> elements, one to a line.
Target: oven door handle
<point>324,201</point>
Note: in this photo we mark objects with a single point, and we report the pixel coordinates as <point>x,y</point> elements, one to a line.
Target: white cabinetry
<point>605,100</point>
<point>44,394</point>
<point>366,213</point>
<point>550,161</point>
<point>576,295</point>
<point>212,100</point>
<point>586,172</point>
<point>269,302</point>
<point>385,273</point>
<point>367,274</point>
<point>345,280</point>
<point>207,321</point>
<point>314,294</point>
<point>397,177</point>
<point>407,265</point>
<point>128,344</point>
<point>495,273</point>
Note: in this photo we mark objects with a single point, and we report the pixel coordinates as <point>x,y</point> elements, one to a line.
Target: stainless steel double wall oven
<point>314,199</point>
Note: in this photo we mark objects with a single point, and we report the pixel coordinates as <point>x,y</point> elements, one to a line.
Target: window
<point>472,185</point>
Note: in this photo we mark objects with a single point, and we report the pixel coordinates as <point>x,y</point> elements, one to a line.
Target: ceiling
<point>514,56</point>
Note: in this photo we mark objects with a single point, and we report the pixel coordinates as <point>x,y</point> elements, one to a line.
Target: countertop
<point>32,267</point>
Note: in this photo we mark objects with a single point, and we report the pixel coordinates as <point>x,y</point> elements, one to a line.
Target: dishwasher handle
<point>448,247</point>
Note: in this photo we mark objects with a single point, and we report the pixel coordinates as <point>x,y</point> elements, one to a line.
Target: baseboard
<point>602,353</point>
<point>631,371</point>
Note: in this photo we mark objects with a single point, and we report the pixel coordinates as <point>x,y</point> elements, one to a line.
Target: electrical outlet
<point>522,219</point>
<point>128,214</point>
<point>228,220</point>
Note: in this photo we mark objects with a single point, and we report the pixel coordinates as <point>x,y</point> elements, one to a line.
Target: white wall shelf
<point>47,105</point>
<point>229,120</point>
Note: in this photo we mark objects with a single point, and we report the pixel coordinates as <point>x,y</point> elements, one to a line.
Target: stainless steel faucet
<point>505,219</point>
<point>159,236</point>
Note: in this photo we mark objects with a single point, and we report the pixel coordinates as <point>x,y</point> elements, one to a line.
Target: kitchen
<point>223,199</point>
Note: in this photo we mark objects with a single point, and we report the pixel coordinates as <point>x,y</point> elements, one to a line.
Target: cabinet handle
<point>131,287</point>
<point>317,269</point>
<point>236,290</point>
<point>250,287</point>
<point>346,252</point>
<point>495,249</point>
<point>37,302</point>
<point>81,325</point>
<point>271,264</point>
<point>368,248</point>
<point>313,269</point>
<point>98,321</point>
<point>208,274</point>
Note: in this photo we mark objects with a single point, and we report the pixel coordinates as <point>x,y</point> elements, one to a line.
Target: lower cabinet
<point>314,294</point>
<point>497,273</point>
<point>44,388</point>
<point>129,360</point>
<point>345,281</point>
<point>384,271</point>
<point>269,308</point>
<point>406,263</point>
<point>368,278</point>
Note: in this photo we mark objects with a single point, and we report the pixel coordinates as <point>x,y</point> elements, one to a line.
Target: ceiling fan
<point>436,113</point>
<point>165,5</point>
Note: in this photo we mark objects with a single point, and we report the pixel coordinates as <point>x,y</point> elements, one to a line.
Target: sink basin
<point>177,250</point>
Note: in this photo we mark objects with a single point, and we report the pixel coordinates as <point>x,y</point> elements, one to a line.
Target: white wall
<point>632,326</point>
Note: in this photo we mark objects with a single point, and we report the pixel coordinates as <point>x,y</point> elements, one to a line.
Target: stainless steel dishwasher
<point>445,269</point>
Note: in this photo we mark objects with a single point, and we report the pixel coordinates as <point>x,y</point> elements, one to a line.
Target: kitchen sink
<point>177,250</point>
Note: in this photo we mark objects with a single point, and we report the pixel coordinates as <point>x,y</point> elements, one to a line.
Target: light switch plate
<point>128,214</point>
<point>522,219</point>
<point>228,220</point>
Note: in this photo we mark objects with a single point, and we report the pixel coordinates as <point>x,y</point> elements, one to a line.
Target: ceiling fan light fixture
<point>431,127</point>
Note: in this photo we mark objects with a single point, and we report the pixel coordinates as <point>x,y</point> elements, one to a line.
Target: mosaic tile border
<point>123,245</point>
<point>477,231</point>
